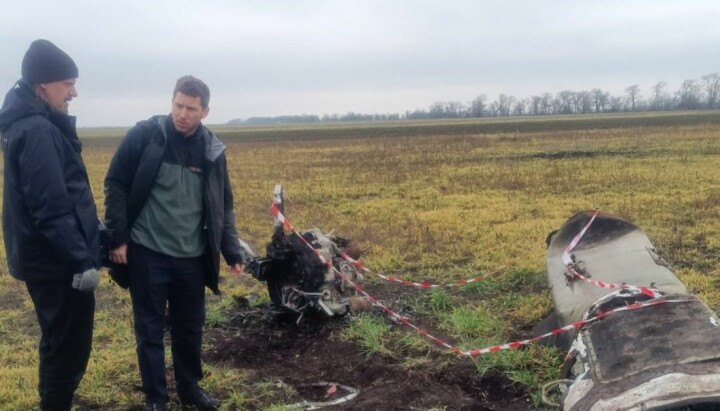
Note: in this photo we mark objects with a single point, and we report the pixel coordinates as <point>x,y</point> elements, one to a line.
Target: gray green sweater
<point>171,221</point>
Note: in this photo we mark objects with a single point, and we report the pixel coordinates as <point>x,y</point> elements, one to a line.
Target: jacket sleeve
<point>230,247</point>
<point>118,182</point>
<point>43,183</point>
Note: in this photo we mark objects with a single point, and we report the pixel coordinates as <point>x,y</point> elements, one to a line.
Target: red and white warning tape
<point>474,352</point>
<point>572,326</point>
<point>460,283</point>
<point>568,261</point>
<point>566,253</point>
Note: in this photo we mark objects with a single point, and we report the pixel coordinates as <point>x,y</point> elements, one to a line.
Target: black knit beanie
<point>44,62</point>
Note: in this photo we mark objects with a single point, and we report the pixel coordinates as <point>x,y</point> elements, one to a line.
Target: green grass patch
<point>372,333</point>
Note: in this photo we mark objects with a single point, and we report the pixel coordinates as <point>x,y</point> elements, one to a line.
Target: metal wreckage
<point>665,356</point>
<point>298,282</point>
<point>631,348</point>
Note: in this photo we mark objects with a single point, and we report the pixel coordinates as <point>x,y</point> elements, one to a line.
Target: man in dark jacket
<point>50,224</point>
<point>169,209</point>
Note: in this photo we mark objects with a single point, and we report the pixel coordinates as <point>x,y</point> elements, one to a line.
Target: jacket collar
<point>21,101</point>
<point>213,146</point>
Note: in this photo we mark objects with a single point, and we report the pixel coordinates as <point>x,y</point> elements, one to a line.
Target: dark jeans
<point>161,284</point>
<point>66,317</point>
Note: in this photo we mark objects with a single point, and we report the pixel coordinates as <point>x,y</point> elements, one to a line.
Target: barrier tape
<point>460,283</point>
<point>568,261</point>
<point>469,353</point>
<point>574,325</point>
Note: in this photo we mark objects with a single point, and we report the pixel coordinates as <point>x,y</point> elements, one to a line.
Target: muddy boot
<point>155,406</point>
<point>197,398</point>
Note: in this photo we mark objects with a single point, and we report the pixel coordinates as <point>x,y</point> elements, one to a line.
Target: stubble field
<point>425,201</point>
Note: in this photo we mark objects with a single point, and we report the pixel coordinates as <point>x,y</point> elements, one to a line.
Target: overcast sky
<point>266,58</point>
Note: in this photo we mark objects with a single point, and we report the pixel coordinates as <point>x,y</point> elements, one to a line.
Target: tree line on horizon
<point>694,94</point>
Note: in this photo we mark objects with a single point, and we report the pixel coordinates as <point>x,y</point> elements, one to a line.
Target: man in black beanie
<point>49,220</point>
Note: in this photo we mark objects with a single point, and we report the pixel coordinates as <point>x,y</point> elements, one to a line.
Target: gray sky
<point>265,58</point>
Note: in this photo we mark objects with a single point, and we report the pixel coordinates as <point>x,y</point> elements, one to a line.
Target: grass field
<point>426,201</point>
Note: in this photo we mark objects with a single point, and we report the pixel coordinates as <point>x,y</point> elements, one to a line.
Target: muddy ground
<point>271,348</point>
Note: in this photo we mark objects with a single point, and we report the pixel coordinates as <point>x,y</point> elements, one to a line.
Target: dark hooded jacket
<point>50,223</point>
<point>132,174</point>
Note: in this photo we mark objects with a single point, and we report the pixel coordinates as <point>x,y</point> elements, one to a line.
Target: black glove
<point>86,281</point>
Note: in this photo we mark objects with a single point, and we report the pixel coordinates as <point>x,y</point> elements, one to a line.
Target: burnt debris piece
<point>298,281</point>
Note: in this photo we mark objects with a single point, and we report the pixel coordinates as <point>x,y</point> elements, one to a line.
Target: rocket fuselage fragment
<point>663,357</point>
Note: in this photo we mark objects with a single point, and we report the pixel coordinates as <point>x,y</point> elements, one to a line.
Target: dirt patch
<point>271,349</point>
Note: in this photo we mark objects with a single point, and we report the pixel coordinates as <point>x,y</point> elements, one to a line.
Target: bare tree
<point>494,108</point>
<point>689,95</point>
<point>659,96</point>
<point>511,100</point>
<point>546,103</point>
<point>437,109</point>
<point>584,101</point>
<point>600,99</point>
<point>454,109</point>
<point>712,88</point>
<point>520,106</point>
<point>615,104</point>
<point>477,106</point>
<point>633,93</point>
<point>504,105</point>
<point>575,101</point>
<point>535,105</point>
<point>563,102</point>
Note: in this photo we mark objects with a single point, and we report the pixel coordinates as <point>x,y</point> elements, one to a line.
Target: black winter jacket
<point>132,174</point>
<point>50,223</point>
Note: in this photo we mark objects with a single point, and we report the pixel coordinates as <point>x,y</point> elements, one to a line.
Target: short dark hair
<point>193,87</point>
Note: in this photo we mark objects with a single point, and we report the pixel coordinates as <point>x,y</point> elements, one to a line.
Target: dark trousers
<point>66,317</point>
<point>167,291</point>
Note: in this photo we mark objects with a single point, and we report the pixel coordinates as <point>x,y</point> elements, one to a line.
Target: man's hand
<point>237,269</point>
<point>87,280</point>
<point>119,255</point>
